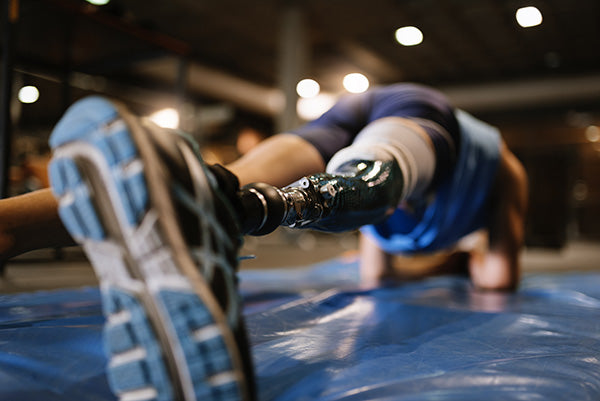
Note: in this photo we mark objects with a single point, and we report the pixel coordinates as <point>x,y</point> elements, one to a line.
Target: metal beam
<point>10,15</point>
<point>293,56</point>
<point>484,97</point>
<point>207,81</point>
<point>527,93</point>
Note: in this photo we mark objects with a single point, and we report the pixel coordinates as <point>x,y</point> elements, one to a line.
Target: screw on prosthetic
<point>361,192</point>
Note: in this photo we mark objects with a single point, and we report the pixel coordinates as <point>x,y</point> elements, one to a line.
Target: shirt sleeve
<point>337,127</point>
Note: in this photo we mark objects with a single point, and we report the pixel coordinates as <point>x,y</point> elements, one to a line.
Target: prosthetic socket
<point>361,192</point>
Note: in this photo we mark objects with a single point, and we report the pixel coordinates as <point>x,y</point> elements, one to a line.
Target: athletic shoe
<point>163,241</point>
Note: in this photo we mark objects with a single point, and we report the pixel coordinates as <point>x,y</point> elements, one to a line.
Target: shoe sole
<point>165,335</point>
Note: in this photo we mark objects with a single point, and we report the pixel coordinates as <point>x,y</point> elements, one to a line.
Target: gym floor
<point>50,269</point>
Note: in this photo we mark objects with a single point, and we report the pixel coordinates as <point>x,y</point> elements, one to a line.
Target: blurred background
<point>233,72</point>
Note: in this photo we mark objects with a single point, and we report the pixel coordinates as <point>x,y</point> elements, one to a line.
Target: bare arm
<point>499,267</point>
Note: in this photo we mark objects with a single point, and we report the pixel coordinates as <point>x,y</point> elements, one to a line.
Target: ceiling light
<point>28,94</point>
<point>356,83</point>
<point>311,108</point>
<point>528,16</point>
<point>98,2</point>
<point>409,36</point>
<point>308,88</point>
<point>166,118</point>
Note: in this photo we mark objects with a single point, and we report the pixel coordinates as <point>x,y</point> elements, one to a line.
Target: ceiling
<point>219,55</point>
<point>231,50</point>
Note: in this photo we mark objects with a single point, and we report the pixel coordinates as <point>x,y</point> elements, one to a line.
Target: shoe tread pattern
<point>136,368</point>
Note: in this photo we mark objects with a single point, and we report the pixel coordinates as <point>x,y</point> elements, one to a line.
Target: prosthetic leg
<point>390,161</point>
<point>364,192</point>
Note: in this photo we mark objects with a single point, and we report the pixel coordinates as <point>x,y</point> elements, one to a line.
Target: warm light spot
<point>28,94</point>
<point>409,36</point>
<point>529,16</point>
<point>356,83</point>
<point>308,88</point>
<point>311,108</point>
<point>166,118</point>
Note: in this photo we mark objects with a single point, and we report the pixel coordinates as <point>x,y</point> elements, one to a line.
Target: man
<point>458,176</point>
<point>162,229</point>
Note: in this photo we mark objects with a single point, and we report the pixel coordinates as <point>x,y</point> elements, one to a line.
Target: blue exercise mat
<point>317,336</point>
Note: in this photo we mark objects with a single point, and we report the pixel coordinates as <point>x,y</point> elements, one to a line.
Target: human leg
<point>163,242</point>
<point>391,160</point>
<point>363,192</point>
<point>81,162</point>
<point>29,222</point>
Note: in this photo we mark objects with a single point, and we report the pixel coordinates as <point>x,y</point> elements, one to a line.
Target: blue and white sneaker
<point>163,241</point>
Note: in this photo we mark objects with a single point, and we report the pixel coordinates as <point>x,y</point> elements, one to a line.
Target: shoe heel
<point>136,369</point>
<point>207,356</point>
